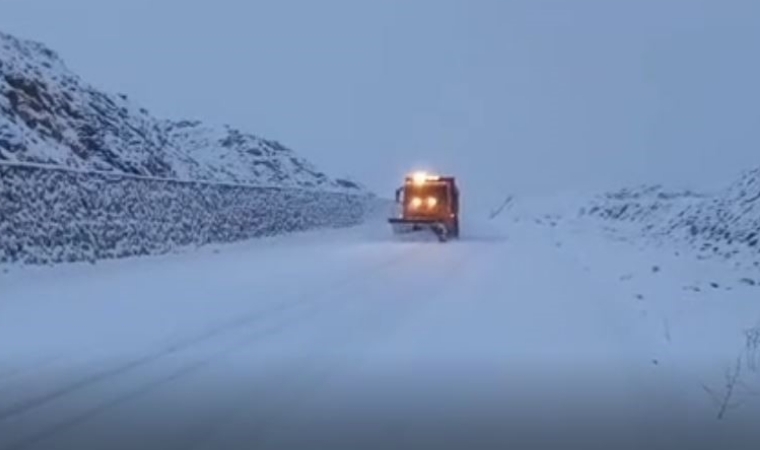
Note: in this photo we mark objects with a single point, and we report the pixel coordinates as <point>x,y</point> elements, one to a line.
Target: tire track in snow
<point>375,323</point>
<point>9,374</point>
<point>181,345</point>
<point>190,368</point>
<point>149,387</point>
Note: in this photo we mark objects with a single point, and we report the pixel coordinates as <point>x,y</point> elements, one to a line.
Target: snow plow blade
<point>404,226</point>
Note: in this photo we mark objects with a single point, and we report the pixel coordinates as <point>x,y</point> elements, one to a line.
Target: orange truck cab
<point>428,202</point>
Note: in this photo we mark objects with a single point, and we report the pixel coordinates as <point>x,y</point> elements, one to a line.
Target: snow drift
<point>724,224</point>
<point>87,174</point>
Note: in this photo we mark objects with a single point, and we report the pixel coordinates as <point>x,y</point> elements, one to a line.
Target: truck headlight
<point>416,202</point>
<point>431,202</point>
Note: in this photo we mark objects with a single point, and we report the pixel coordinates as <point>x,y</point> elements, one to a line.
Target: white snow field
<point>516,336</point>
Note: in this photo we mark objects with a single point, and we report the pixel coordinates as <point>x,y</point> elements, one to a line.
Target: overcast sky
<point>511,95</point>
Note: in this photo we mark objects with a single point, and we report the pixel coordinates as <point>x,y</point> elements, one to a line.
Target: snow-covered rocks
<point>86,174</point>
<point>48,115</point>
<point>644,204</point>
<point>727,223</point>
<point>224,153</point>
<point>723,224</point>
<point>61,215</point>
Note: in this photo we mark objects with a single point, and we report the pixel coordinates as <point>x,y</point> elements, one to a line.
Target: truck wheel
<point>442,232</point>
<point>455,229</point>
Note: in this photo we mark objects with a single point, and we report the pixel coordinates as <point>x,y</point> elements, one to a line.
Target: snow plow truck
<point>428,202</point>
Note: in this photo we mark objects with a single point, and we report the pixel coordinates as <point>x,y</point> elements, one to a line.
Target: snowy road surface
<point>348,339</point>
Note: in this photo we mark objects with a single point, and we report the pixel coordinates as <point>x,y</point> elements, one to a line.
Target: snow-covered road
<point>349,339</point>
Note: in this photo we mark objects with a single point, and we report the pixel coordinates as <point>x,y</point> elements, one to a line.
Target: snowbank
<point>723,224</point>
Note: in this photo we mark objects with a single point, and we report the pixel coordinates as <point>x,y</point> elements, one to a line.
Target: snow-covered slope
<point>87,175</point>
<point>642,204</point>
<point>224,153</point>
<point>49,115</point>
<point>724,224</point>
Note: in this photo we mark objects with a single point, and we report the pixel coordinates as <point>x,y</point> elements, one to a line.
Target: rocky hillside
<point>224,153</point>
<point>86,175</point>
<point>50,116</point>
<point>723,224</point>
